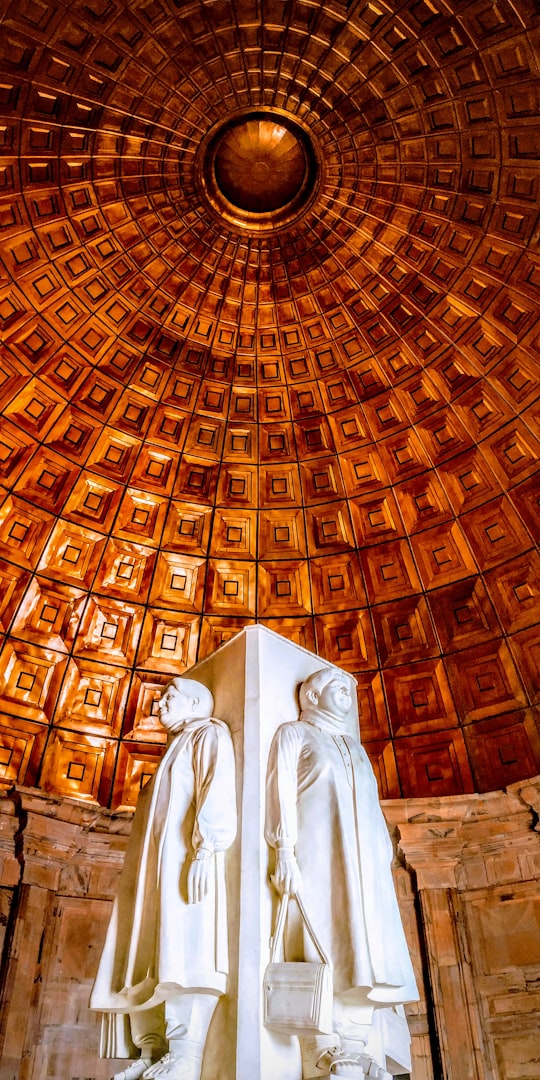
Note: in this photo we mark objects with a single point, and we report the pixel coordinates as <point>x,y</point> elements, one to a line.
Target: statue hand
<point>199,876</point>
<point>287,877</point>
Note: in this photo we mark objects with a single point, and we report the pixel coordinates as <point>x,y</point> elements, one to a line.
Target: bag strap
<point>277,939</point>
<point>325,959</point>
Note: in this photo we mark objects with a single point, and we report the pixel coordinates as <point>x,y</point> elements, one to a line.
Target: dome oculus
<point>259,169</point>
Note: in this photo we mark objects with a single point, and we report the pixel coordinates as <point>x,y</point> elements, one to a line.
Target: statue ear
<point>313,696</point>
<point>194,702</point>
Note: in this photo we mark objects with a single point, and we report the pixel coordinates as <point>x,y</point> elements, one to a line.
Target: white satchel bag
<point>298,995</point>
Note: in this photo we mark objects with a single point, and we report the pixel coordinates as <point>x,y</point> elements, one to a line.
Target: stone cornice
<point>68,846</point>
<point>447,842</point>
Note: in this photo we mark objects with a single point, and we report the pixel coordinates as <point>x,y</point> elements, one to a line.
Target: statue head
<point>328,691</point>
<point>183,700</point>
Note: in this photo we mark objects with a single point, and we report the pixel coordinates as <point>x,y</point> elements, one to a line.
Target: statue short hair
<point>319,680</point>
<point>316,682</point>
<point>197,690</point>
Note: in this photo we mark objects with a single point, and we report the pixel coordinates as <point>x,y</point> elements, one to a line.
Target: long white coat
<point>157,944</point>
<point>322,797</point>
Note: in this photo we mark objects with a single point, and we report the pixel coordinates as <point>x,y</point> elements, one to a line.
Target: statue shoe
<point>134,1071</point>
<point>375,1072</point>
<point>372,1071</point>
<point>331,1054</point>
<point>347,1067</point>
<point>339,1062</point>
<point>175,1067</point>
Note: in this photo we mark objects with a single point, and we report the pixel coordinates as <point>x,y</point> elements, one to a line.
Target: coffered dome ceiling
<point>269,287</point>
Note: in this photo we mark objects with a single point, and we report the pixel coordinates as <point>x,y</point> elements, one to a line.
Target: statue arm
<point>215,805</point>
<point>281,806</point>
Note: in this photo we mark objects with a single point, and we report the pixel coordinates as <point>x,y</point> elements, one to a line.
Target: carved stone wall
<point>59,865</point>
<point>476,863</point>
<point>466,874</point>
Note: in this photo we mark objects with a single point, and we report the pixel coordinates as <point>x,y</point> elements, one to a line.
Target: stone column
<point>475,859</point>
<point>433,848</point>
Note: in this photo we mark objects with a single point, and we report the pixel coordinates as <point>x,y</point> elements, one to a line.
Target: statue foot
<point>373,1071</point>
<point>366,1065</point>
<point>339,1062</point>
<point>134,1071</point>
<point>331,1054</point>
<point>348,1068</point>
<point>174,1066</point>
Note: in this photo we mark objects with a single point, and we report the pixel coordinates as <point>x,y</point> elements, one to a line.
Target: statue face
<point>174,706</point>
<point>336,697</point>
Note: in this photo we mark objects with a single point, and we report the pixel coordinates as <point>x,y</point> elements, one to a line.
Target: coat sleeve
<point>281,827</point>
<point>215,789</point>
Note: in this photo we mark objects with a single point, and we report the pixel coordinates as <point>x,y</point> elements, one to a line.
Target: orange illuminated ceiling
<point>311,405</point>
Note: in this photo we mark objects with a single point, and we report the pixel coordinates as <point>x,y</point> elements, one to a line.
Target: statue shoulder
<point>291,731</point>
<point>212,728</point>
<point>218,723</point>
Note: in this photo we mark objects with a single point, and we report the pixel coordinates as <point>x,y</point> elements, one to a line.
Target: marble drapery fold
<point>157,944</point>
<point>322,800</point>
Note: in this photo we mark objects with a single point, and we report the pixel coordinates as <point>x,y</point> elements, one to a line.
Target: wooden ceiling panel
<point>325,420</point>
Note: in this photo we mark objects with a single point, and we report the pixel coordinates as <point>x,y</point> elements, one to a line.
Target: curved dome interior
<point>327,427</point>
<point>260,166</point>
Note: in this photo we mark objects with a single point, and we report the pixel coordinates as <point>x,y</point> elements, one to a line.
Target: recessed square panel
<point>502,748</point>
<point>73,768</point>
<point>389,571</point>
<point>337,583</point>
<point>419,698</point>
<point>404,631</point>
<point>514,588</point>
<point>279,485</point>
<point>433,765</point>
<point>495,533</point>
<point>283,589</point>
<point>30,677</point>
<point>329,528</point>
<point>187,528</point>
<point>485,681</point>
<point>168,641</point>
<point>462,614</point>
<point>281,534</point>
<point>347,640</point>
<point>137,763</point>
<point>126,570</point>
<point>234,534</point>
<point>237,485</point>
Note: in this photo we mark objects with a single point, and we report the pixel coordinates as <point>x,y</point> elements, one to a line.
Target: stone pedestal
<point>254,679</point>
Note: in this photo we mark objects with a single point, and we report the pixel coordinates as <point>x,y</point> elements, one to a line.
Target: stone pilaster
<point>476,861</point>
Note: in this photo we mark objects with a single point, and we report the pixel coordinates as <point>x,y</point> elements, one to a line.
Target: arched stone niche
<point>466,871</point>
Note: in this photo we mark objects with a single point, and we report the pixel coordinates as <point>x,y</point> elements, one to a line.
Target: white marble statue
<point>332,847</point>
<point>165,960</point>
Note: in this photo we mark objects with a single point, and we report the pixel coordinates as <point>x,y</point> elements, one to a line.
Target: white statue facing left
<point>165,960</point>
<point>332,848</point>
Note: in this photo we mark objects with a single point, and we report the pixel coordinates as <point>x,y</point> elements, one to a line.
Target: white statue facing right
<point>332,848</point>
